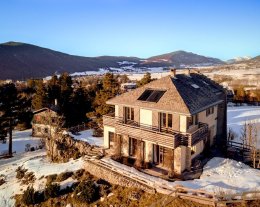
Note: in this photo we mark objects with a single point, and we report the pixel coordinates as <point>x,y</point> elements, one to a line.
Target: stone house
<point>168,122</point>
<point>45,122</point>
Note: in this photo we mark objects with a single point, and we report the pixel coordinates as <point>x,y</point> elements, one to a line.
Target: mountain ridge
<point>20,61</point>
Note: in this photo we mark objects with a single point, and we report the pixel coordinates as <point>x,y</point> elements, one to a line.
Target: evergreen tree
<point>65,101</point>
<point>40,98</point>
<point>9,102</point>
<point>110,88</point>
<point>146,79</point>
<point>53,89</point>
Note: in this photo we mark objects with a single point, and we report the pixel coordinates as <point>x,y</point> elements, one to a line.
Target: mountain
<point>182,59</point>
<point>20,61</point>
<point>238,59</point>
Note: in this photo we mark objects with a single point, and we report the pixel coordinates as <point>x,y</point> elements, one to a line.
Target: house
<point>128,86</point>
<point>45,122</point>
<point>170,120</point>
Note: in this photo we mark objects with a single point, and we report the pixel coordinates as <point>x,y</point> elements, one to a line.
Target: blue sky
<point>143,28</point>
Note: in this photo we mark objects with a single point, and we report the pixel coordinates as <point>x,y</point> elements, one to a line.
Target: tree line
<point>77,101</point>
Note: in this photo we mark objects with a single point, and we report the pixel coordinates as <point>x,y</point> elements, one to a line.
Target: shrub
<point>28,178</point>
<point>51,178</point>
<point>78,174</point>
<point>27,147</point>
<point>104,187</point>
<point>20,172</point>
<point>51,191</point>
<point>86,192</point>
<point>63,176</point>
<point>2,181</point>
<point>76,154</point>
<point>28,197</point>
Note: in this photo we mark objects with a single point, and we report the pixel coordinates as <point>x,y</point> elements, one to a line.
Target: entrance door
<point>161,155</point>
<point>158,154</point>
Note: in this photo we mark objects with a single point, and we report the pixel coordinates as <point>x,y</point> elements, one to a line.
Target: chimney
<point>56,102</point>
<point>173,72</point>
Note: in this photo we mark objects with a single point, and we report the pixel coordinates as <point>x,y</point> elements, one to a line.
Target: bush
<point>104,187</point>
<point>76,154</point>
<point>63,176</point>
<point>20,172</point>
<point>31,197</point>
<point>51,178</point>
<point>86,192</point>
<point>2,181</point>
<point>28,178</point>
<point>51,191</point>
<point>28,197</point>
<point>78,174</point>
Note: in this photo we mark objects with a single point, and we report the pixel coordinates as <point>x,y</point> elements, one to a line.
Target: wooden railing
<point>200,134</point>
<point>163,137</point>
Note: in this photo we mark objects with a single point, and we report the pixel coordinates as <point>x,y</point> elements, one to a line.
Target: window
<point>132,146</point>
<point>209,111</point>
<point>129,113</point>
<point>39,129</point>
<point>111,137</point>
<point>193,120</point>
<point>170,120</point>
<point>166,120</point>
<point>151,95</point>
<point>145,95</point>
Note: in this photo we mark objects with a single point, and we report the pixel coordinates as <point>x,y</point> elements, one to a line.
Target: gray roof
<point>185,94</point>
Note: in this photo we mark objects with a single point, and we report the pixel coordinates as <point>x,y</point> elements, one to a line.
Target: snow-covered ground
<point>37,163</point>
<point>20,140</point>
<point>250,74</point>
<point>87,137</point>
<point>238,115</point>
<point>219,175</point>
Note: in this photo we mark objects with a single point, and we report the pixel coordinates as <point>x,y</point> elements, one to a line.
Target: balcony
<point>163,137</point>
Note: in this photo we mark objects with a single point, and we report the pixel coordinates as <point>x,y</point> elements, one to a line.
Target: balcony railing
<point>161,136</point>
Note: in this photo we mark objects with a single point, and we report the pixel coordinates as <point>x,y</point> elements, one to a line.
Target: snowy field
<point>250,74</point>
<point>37,163</point>
<point>219,175</point>
<point>20,140</point>
<point>86,136</point>
<point>238,115</point>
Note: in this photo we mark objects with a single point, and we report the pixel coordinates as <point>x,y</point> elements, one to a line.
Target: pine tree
<point>65,100</point>
<point>146,79</point>
<point>40,98</point>
<point>53,89</point>
<point>110,88</point>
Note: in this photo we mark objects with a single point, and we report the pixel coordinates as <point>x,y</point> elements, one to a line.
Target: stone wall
<point>114,177</point>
